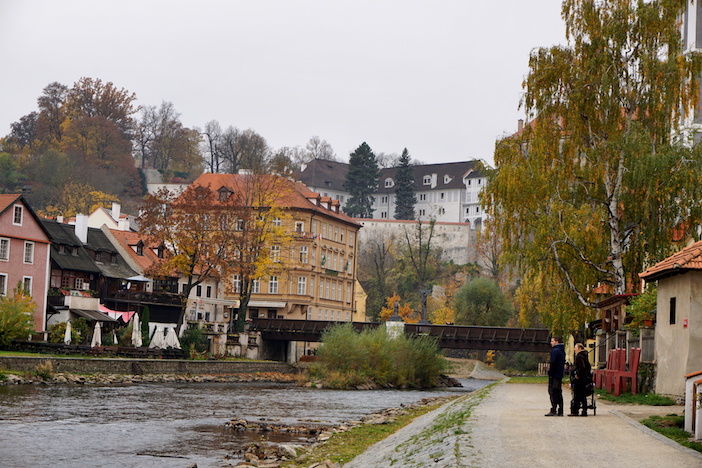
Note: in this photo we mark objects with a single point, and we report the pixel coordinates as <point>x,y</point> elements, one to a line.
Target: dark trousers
<point>555,392</point>
<point>579,396</point>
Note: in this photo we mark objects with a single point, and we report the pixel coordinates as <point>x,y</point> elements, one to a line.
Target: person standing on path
<point>582,376</point>
<point>555,376</point>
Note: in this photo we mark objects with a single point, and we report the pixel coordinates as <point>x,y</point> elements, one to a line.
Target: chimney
<point>82,228</point>
<point>116,211</point>
<point>123,225</point>
<point>59,219</point>
<point>520,125</point>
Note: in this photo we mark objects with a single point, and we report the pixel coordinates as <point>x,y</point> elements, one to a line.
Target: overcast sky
<point>441,78</point>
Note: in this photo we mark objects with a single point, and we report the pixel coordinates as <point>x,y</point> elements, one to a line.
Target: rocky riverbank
<point>271,455</point>
<point>114,379</point>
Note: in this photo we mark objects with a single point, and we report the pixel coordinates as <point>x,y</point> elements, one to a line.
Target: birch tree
<point>590,191</point>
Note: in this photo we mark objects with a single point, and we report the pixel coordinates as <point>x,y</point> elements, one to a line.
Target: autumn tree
<point>376,259</point>
<point>406,313</point>
<point>592,187</point>
<point>405,198</point>
<point>318,148</point>
<point>76,198</point>
<point>16,316</point>
<point>196,227</point>
<point>361,182</point>
<point>481,302</point>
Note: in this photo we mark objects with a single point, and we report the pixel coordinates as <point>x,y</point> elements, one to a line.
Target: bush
<point>194,339</point>
<point>16,319</point>
<point>519,361</point>
<point>44,370</point>
<point>348,359</point>
<point>57,332</point>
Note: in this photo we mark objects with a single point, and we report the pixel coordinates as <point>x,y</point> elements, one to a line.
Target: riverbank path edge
<point>503,425</point>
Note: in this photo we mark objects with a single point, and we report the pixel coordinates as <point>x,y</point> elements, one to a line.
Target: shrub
<point>348,359</point>
<point>16,317</point>
<point>195,339</point>
<point>57,332</point>
<point>44,370</point>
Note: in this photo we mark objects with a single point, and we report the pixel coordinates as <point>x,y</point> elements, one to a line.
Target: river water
<point>168,425</point>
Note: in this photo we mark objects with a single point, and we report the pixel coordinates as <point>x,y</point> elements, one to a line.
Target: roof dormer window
<point>426,180</point>
<point>447,179</point>
<point>389,182</point>
<point>224,194</point>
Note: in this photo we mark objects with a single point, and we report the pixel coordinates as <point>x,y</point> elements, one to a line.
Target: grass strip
<point>529,379</point>
<point>671,426</point>
<point>342,447</point>
<point>650,399</point>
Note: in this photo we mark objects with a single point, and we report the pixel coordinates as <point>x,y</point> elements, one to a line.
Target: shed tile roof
<point>688,259</point>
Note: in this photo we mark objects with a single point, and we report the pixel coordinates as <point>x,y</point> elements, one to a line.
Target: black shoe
<point>551,413</point>
<point>583,415</point>
<point>571,414</point>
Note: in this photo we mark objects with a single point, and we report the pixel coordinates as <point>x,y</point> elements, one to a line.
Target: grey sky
<point>442,78</point>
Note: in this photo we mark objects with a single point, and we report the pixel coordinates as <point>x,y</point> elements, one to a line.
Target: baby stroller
<point>589,392</point>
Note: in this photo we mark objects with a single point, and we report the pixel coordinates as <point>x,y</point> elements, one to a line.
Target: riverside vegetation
<point>371,359</point>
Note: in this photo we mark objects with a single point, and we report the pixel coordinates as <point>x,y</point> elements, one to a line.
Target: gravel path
<point>504,426</point>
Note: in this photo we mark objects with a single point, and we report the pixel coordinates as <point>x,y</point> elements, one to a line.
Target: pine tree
<point>361,181</point>
<point>404,188</point>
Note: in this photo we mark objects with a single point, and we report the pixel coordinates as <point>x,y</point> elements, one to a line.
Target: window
<point>3,285</point>
<point>348,293</point>
<point>672,310</point>
<point>256,287</point>
<point>303,254</point>
<point>273,285</point>
<point>336,233</point>
<point>314,227</point>
<point>442,196</point>
<point>236,284</point>
<point>442,211</point>
<point>341,235</point>
<point>351,239</point>
<point>4,249</point>
<point>27,284</point>
<point>422,212</point>
<point>113,259</point>
<point>29,252</point>
<point>480,181</point>
<point>17,215</point>
<point>321,289</point>
<point>239,225</point>
<point>447,179</point>
<point>299,226</point>
<point>198,290</point>
<point>301,285</point>
<point>388,182</point>
<point>426,180</point>
<point>275,253</point>
<point>208,292</point>
<point>139,249</point>
<point>383,215</point>
<point>277,222</point>
<point>98,256</point>
<point>224,194</point>
<point>384,199</point>
<point>422,197</point>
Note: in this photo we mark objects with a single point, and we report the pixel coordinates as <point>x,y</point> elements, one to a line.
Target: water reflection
<point>166,425</point>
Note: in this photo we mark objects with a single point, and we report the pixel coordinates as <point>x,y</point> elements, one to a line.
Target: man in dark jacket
<point>582,377</point>
<point>555,376</point>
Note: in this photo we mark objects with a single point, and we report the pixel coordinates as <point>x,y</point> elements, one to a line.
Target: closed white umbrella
<point>97,335</point>
<point>136,331</point>
<point>67,335</point>
<point>115,342</point>
<point>172,339</point>
<point>157,341</point>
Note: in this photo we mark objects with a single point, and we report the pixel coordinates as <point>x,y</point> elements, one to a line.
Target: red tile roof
<point>7,200</point>
<point>291,195</point>
<point>688,259</point>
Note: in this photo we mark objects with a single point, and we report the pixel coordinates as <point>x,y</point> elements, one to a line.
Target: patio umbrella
<point>172,339</point>
<point>97,335</point>
<point>136,331</point>
<point>157,340</point>
<point>114,337</point>
<point>67,335</point>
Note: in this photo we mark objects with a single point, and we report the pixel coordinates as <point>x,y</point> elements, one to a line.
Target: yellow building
<point>317,277</point>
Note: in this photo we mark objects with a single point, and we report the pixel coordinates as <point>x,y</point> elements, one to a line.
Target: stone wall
<point>143,366</point>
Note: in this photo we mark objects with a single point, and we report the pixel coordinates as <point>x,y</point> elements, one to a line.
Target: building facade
<point>24,254</point>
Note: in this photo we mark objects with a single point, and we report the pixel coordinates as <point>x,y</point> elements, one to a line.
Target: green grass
<point>651,399</point>
<point>529,379</point>
<point>344,446</point>
<point>671,426</point>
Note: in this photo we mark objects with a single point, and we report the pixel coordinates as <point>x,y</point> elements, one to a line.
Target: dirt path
<point>504,426</point>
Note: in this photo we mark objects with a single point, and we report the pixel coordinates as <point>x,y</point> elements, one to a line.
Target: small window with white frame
<point>275,253</point>
<point>426,180</point>
<point>256,287</point>
<point>273,285</point>
<point>301,285</point>
<point>4,249</point>
<point>27,284</point>
<point>236,284</point>
<point>3,284</point>
<point>303,253</point>
<point>422,197</point>
<point>299,226</point>
<point>17,215</point>
<point>389,182</point>
<point>29,252</point>
<point>384,199</point>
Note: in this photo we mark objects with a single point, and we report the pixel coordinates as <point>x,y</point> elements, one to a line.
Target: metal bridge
<point>448,336</point>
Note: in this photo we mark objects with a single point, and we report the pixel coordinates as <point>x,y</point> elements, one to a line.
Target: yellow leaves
<point>404,310</point>
<point>76,198</point>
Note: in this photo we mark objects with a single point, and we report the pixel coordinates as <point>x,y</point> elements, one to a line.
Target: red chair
<point>603,377</point>
<point>621,377</point>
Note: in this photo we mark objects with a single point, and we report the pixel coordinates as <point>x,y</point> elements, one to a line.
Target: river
<point>168,425</point>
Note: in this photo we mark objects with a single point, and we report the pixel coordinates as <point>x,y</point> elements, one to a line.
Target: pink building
<point>24,253</point>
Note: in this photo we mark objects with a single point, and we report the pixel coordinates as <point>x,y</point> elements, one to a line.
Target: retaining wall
<point>144,366</point>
